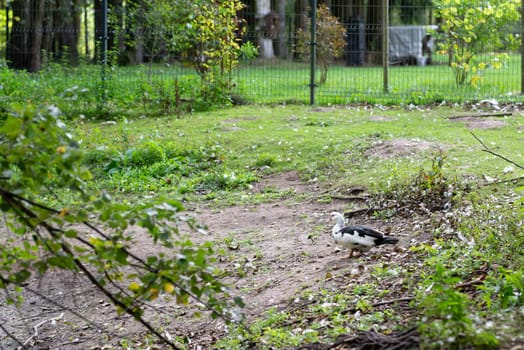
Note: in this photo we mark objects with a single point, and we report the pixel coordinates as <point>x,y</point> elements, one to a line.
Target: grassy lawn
<point>215,158</point>
<point>329,143</point>
<point>152,88</point>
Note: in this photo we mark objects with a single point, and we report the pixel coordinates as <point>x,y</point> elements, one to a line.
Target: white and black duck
<point>358,237</point>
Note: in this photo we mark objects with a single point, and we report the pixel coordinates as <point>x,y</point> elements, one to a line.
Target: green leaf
<point>21,276</point>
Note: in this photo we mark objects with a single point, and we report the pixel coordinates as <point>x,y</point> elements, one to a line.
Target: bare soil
<point>273,251</point>
<point>473,122</point>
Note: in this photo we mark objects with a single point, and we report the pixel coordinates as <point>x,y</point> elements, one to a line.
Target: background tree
<point>472,31</point>
<point>204,33</point>
<point>37,26</point>
<point>331,40</point>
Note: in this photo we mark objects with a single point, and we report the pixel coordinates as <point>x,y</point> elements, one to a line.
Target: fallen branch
<point>39,324</point>
<point>487,150</point>
<point>481,115</point>
<point>475,282</point>
<point>349,198</point>
<point>366,211</point>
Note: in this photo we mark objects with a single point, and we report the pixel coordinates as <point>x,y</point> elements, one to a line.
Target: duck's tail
<point>388,240</point>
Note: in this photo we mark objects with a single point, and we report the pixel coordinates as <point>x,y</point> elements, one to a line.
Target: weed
<point>266,160</point>
<point>145,154</point>
<point>427,191</point>
<point>446,322</point>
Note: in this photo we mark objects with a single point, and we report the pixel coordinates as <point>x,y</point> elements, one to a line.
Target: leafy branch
<point>129,281</point>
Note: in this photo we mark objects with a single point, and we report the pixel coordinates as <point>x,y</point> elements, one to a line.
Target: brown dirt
<point>480,122</point>
<point>400,148</point>
<point>275,252</point>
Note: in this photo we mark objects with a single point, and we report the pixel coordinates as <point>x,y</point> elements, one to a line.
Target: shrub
<point>145,154</point>
<point>330,41</point>
<point>469,28</point>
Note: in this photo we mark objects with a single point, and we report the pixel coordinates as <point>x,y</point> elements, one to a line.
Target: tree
<point>203,33</point>
<point>266,28</point>
<point>38,155</point>
<point>23,49</point>
<point>37,26</point>
<point>331,40</point>
<point>471,28</point>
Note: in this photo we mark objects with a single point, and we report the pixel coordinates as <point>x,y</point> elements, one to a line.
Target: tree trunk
<point>23,46</point>
<point>67,30</point>
<point>36,40</point>
<point>374,33</point>
<point>283,51</point>
<point>264,42</point>
<point>43,25</point>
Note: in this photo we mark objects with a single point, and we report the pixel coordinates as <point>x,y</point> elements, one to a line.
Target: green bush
<point>145,154</point>
<point>331,40</point>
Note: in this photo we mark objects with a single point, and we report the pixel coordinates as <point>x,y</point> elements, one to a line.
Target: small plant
<point>446,322</point>
<point>266,160</point>
<point>247,52</point>
<point>428,190</point>
<point>147,153</point>
<point>330,41</point>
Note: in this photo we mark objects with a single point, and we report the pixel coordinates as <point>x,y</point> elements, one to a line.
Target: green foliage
<point>428,190</point>
<point>468,285</point>
<point>203,32</point>
<point>330,42</point>
<point>446,322</point>
<point>36,148</point>
<point>470,28</point>
<point>247,52</point>
<point>147,153</point>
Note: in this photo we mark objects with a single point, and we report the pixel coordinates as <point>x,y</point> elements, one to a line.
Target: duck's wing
<point>362,235</point>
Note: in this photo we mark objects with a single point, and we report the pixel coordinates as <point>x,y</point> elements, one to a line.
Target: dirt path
<point>274,251</point>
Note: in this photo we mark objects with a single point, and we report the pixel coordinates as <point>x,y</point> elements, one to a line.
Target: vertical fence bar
<point>385,43</point>
<point>103,54</point>
<point>522,46</point>
<point>7,30</point>
<point>313,45</point>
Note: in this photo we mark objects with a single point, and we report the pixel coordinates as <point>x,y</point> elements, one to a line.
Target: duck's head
<point>339,218</point>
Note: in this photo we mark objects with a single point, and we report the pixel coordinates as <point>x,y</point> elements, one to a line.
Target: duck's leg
<point>350,253</point>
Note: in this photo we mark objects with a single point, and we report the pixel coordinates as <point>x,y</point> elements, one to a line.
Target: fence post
<point>313,44</point>
<point>385,43</point>
<point>522,46</point>
<point>103,54</point>
<point>7,30</point>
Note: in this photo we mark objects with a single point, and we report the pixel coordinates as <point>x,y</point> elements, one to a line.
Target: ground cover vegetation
<point>89,195</point>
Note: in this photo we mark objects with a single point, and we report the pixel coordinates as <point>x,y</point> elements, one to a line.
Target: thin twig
<point>486,149</point>
<point>10,335</point>
<point>481,115</point>
<point>380,303</point>
<point>35,327</point>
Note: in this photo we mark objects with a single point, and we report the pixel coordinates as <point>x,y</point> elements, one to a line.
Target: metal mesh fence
<point>419,67</point>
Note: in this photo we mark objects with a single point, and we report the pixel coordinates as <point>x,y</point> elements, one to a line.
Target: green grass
<point>289,82</point>
<point>224,151</point>
<point>142,90</point>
